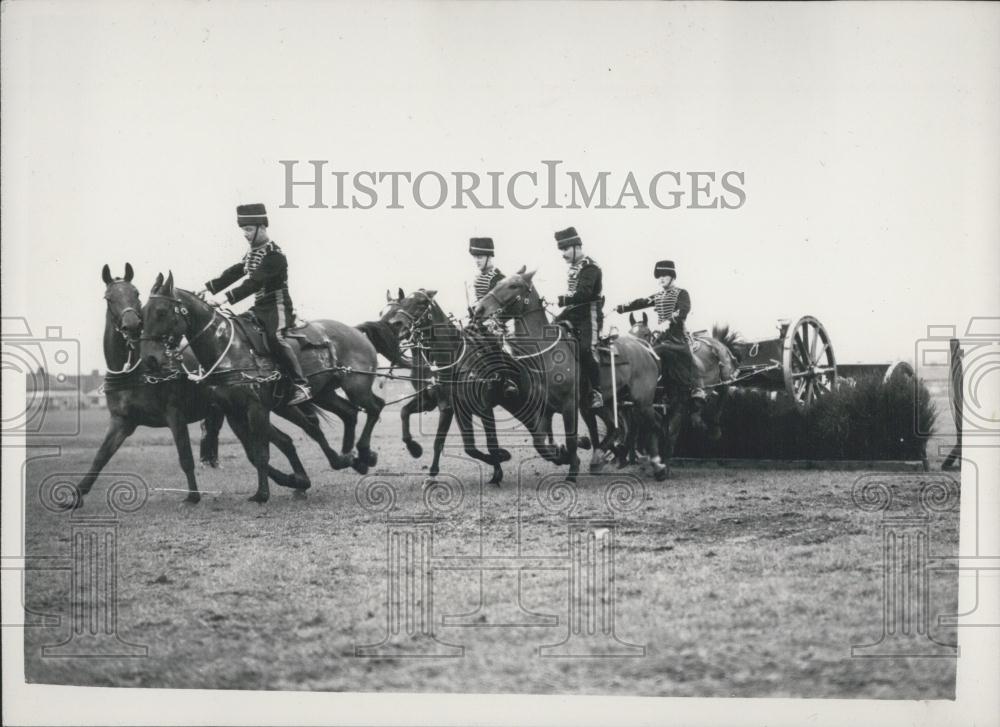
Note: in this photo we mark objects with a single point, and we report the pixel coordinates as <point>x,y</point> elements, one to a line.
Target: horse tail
<point>385,341</point>
<point>729,338</point>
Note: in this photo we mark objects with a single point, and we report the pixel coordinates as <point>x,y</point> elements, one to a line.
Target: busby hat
<point>567,238</point>
<point>481,246</point>
<point>665,267</point>
<point>251,214</point>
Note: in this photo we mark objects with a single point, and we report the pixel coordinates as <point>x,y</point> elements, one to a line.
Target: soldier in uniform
<point>583,307</point>
<point>672,305</point>
<point>265,270</point>
<point>481,249</point>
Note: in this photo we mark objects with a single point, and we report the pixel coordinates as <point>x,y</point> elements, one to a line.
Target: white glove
<point>215,299</point>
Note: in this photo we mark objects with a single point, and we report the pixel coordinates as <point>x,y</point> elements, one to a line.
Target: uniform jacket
<point>584,304</point>
<point>666,302</point>
<point>266,271</point>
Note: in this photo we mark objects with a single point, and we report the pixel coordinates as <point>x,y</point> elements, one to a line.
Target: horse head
<point>166,319</point>
<point>410,313</point>
<point>640,328</point>
<point>123,304</point>
<point>510,296</point>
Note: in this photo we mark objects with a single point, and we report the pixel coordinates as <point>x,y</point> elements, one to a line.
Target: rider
<point>266,271</point>
<point>481,249</point>
<point>583,307</point>
<point>672,306</point>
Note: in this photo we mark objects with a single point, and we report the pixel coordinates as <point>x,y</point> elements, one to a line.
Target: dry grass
<point>738,584</point>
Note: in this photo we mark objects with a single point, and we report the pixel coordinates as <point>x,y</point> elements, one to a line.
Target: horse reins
<point>181,310</point>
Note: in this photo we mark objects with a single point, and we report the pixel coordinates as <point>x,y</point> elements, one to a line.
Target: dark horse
<point>248,394</point>
<point>463,365</point>
<point>426,396</point>
<point>137,399</point>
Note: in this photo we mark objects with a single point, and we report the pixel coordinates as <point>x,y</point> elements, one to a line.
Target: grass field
<point>736,583</point>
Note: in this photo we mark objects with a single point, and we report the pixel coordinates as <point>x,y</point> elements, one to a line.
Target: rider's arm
<point>229,276</point>
<point>637,304</point>
<point>271,265</point>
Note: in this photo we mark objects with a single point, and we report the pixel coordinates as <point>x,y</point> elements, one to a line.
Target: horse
<point>550,354</point>
<point>136,399</point>
<point>716,359</point>
<point>466,389</point>
<point>426,396</point>
<point>248,393</point>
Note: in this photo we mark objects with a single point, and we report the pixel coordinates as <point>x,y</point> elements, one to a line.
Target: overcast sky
<point>868,136</point>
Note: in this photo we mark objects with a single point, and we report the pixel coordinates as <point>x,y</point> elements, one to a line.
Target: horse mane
<point>384,339</point>
<point>728,337</point>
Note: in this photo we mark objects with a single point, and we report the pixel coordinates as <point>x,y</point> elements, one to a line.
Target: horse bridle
<point>129,367</point>
<point>170,342</point>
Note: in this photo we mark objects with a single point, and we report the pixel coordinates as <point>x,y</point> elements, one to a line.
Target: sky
<point>866,134</point>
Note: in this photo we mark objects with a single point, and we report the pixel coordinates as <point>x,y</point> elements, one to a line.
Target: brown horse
<point>717,364</point>
<point>248,392</point>
<point>549,350</point>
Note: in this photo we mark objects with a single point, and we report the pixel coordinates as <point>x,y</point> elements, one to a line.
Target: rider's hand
<point>619,309</point>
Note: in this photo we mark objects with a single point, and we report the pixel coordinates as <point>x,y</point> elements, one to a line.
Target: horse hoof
<point>661,474</point>
<point>372,458</point>
<point>360,466</point>
<point>213,463</point>
<point>193,498</point>
<point>502,455</point>
<point>300,483</point>
<point>583,442</point>
<point>342,462</point>
<point>596,465</point>
<point>496,479</point>
<point>414,449</point>
<point>299,495</point>
<point>258,498</point>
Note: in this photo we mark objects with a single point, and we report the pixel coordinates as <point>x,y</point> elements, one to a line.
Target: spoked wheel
<point>808,363</point>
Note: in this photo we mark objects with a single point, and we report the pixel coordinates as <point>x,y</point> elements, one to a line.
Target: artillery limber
<point>800,362</point>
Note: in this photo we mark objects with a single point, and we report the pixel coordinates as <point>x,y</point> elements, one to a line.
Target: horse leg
<point>372,405</point>
<point>543,440</point>
<point>259,426</point>
<point>306,419</point>
<point>444,424</point>
<point>119,430</point>
<point>421,402</point>
<point>569,416</point>
<point>211,425</point>
<point>493,447</point>
<point>246,426</point>
<point>299,480</point>
<point>597,457</point>
<point>668,439</point>
<point>464,417</point>
<point>654,444</point>
<point>182,441</point>
<point>348,413</point>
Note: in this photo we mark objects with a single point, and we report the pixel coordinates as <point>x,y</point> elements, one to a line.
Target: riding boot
<point>290,363</point>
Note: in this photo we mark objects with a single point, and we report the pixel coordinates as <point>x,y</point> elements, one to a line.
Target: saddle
<point>316,350</point>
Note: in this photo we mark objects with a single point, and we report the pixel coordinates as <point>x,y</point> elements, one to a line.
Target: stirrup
<point>596,399</point>
<point>302,394</point>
